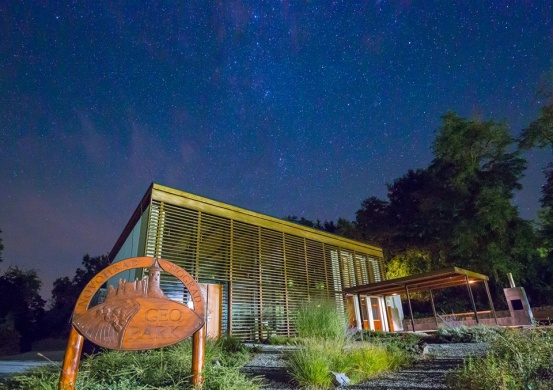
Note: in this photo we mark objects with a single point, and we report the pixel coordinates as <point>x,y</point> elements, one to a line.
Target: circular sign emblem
<point>137,315</point>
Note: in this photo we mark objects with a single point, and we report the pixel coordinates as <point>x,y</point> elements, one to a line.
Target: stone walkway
<point>427,373</point>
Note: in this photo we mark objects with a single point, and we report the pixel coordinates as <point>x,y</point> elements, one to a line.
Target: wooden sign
<point>136,315</point>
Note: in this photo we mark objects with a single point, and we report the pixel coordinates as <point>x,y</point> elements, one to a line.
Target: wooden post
<point>491,302</point>
<point>433,307</point>
<point>410,308</point>
<point>361,314</point>
<point>198,357</point>
<point>472,300</point>
<point>71,361</point>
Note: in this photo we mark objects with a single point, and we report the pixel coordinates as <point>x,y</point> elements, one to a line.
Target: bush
<point>320,320</point>
<point>9,339</point>
<point>517,360</point>
<point>310,366</point>
<point>465,334</point>
<point>281,340</point>
<point>165,368</point>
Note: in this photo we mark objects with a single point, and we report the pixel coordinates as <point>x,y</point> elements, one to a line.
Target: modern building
<point>257,270</point>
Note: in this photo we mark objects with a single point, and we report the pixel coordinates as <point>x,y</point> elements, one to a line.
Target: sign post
<point>136,316</point>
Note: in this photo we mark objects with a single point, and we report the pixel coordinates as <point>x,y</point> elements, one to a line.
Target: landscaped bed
<point>517,359</point>
<point>164,369</point>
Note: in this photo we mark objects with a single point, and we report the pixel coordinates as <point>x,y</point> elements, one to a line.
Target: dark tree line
<point>65,294</point>
<point>24,317</point>
<point>540,134</point>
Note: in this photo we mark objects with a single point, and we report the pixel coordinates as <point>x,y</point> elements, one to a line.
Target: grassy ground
<point>163,369</point>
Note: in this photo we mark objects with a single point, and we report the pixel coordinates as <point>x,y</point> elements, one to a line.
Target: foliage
<point>25,307</point>
<point>166,368</point>
<point>10,338</point>
<point>320,319</point>
<point>311,366</point>
<point>540,134</point>
<point>280,340</point>
<point>410,262</point>
<point>326,346</point>
<point>66,291</point>
<point>468,334</point>
<point>327,226</point>
<point>517,360</point>
<point>409,342</point>
<point>458,210</point>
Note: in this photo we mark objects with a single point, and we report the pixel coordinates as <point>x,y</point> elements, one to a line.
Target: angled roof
<point>195,202</point>
<point>434,280</point>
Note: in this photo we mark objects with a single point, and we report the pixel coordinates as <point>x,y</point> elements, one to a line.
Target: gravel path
<point>428,373</point>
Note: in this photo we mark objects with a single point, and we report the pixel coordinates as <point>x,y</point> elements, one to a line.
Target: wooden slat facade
<point>268,267</point>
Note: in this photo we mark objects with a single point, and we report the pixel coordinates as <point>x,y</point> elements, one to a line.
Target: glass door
<point>376,313</point>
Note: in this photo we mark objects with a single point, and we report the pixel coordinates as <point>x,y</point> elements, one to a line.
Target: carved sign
<point>137,315</point>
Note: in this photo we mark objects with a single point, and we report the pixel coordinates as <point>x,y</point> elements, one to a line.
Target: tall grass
<point>517,360</point>
<point>320,320</point>
<point>326,347</point>
<point>311,366</point>
<point>164,369</point>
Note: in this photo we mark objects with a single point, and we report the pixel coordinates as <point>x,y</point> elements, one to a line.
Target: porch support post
<point>360,313</point>
<point>410,308</point>
<point>490,300</point>
<point>472,300</point>
<point>433,307</point>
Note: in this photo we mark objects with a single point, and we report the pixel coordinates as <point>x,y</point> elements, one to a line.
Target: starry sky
<point>285,108</point>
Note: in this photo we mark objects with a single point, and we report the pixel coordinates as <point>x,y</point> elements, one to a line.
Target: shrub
<point>311,366</point>
<point>320,320</point>
<point>465,334</point>
<point>409,342</point>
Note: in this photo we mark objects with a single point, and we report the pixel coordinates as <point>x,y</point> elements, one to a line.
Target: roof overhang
<point>434,280</point>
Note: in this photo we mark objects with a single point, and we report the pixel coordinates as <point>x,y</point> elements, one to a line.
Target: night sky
<point>284,108</point>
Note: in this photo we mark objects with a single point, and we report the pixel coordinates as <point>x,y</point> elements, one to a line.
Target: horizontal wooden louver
<point>316,267</point>
<point>296,274</point>
<point>274,314</point>
<point>214,253</point>
<point>246,294</point>
<point>267,275</point>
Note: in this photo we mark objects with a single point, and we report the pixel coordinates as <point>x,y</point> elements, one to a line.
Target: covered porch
<point>377,306</point>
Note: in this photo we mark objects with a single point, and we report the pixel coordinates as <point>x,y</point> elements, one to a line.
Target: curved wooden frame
<point>75,343</point>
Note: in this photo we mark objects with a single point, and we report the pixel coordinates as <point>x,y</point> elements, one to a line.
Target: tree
<point>477,175</point>
<point>457,211</point>
<point>66,291</point>
<point>22,306</point>
<point>372,221</point>
<point>540,134</point>
<point>326,226</point>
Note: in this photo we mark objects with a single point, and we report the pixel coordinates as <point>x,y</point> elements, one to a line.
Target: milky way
<point>284,108</point>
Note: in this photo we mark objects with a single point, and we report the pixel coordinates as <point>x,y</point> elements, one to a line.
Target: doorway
<point>213,297</point>
<point>376,313</point>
